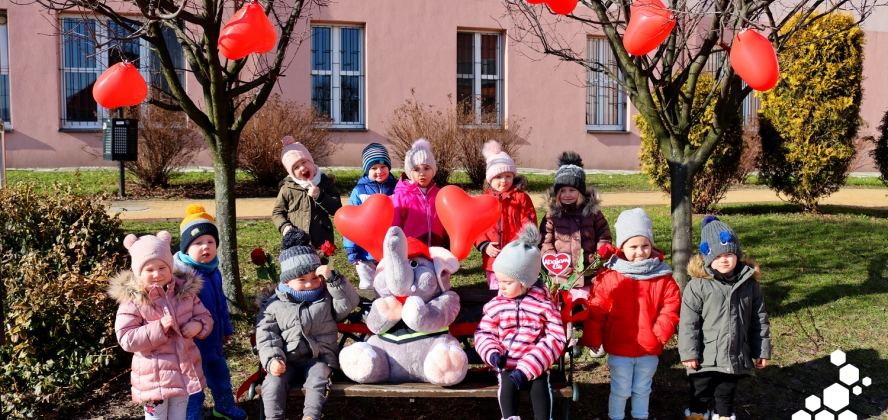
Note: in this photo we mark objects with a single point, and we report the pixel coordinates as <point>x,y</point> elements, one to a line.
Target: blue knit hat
<point>717,238</point>
<point>375,154</point>
<point>297,258</point>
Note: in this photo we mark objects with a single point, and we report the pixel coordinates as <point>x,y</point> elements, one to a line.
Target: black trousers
<point>540,396</point>
<point>719,386</point>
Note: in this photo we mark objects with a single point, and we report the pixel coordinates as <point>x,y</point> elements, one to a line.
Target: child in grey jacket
<point>296,327</point>
<point>723,329</point>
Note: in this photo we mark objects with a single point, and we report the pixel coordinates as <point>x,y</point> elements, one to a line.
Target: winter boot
<point>195,407</point>
<point>598,354</point>
<point>696,416</point>
<point>225,407</point>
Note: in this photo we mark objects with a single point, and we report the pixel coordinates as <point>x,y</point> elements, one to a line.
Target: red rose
<point>606,251</point>
<point>258,256</point>
<point>328,249</point>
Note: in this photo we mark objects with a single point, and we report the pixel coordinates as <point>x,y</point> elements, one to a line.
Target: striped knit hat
<point>297,258</point>
<point>375,154</point>
<point>197,222</point>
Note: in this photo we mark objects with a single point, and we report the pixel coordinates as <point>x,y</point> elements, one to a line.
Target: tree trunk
<point>682,227</point>
<point>224,164</point>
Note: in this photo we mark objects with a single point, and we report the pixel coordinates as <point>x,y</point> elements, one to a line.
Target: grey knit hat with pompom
<point>521,259</point>
<point>570,172</point>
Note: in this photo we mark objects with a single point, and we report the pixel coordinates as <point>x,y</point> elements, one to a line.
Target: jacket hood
<point>125,286</point>
<point>590,204</point>
<point>696,268</point>
<point>519,184</point>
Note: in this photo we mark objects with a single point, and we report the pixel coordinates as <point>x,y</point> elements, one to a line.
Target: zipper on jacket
<point>517,329</point>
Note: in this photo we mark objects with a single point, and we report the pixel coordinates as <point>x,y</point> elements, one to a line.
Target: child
<point>521,334</point>
<point>517,207</point>
<point>377,179</point>
<point>634,311</point>
<point>414,197</point>
<point>197,251</point>
<point>574,225</point>
<point>308,197</point>
<point>724,329</point>
<point>296,332</point>
<point>159,314</point>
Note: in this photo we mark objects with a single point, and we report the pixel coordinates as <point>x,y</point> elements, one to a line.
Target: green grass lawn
<point>826,287</point>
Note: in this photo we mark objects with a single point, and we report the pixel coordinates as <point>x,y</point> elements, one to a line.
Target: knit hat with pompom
<point>570,172</point>
<point>293,152</point>
<point>149,247</point>
<point>498,161</point>
<point>420,154</point>
<point>298,257</point>
<point>717,238</point>
<point>521,259</point>
<point>197,222</point>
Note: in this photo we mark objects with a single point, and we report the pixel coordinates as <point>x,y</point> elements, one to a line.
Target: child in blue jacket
<point>197,251</point>
<point>377,179</point>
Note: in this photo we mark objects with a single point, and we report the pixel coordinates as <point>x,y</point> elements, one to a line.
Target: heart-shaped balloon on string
<point>562,7</point>
<point>754,60</point>
<point>557,264</point>
<point>120,85</point>
<point>367,223</point>
<point>248,31</point>
<point>465,218</point>
<point>650,23</point>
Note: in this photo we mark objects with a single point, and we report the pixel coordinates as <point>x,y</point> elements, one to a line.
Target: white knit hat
<point>420,154</point>
<point>498,161</point>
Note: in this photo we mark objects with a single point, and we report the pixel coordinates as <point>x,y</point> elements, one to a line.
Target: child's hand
<point>167,321</point>
<point>325,272</point>
<point>191,329</point>
<point>691,364</point>
<point>277,367</point>
<point>761,363</point>
<point>492,249</point>
<point>313,190</point>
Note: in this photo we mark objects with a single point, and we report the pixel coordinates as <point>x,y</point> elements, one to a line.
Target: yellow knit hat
<point>195,211</point>
<point>197,222</point>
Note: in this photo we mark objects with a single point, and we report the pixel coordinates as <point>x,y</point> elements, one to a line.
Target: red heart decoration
<point>754,60</point>
<point>366,224</point>
<point>649,25</point>
<point>557,264</point>
<point>562,7</point>
<point>248,31</point>
<point>465,218</point>
<point>120,85</point>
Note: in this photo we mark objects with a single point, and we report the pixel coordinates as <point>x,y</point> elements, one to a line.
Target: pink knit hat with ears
<point>498,161</point>
<point>292,153</point>
<point>149,247</point>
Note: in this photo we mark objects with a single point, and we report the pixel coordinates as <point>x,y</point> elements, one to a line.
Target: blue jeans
<point>630,377</point>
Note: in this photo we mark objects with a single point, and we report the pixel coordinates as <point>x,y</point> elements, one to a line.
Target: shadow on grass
<point>789,208</point>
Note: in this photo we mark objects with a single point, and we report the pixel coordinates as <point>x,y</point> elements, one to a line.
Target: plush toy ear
<point>129,241</point>
<point>445,265</point>
<point>164,236</point>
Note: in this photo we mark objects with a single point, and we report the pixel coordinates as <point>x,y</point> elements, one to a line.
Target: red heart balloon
<point>465,218</point>
<point>248,31</point>
<point>557,264</point>
<point>536,1</point>
<point>562,7</point>
<point>367,223</point>
<point>649,25</point>
<point>120,85</point>
<point>754,60</point>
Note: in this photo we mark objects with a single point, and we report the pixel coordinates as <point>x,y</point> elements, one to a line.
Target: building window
<point>479,75</point>
<point>606,104</point>
<point>82,64</point>
<point>5,114</point>
<point>337,74</point>
<point>751,104</point>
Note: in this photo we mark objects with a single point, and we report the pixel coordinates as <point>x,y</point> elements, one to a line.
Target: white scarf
<point>306,184</point>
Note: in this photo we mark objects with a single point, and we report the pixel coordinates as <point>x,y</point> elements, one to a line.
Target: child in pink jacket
<point>158,318</point>
<point>415,194</point>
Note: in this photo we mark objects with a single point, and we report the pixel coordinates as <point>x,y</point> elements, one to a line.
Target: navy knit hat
<point>717,238</point>
<point>197,222</point>
<point>570,172</point>
<point>375,154</point>
<point>297,258</point>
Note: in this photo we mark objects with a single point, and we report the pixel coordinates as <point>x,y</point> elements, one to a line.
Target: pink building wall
<point>407,45</point>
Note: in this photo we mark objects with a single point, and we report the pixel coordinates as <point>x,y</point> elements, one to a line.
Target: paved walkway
<point>260,208</point>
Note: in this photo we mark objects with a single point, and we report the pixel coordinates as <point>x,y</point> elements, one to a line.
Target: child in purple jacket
<point>414,197</point>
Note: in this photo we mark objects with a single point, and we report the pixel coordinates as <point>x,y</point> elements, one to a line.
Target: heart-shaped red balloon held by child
<point>557,264</point>
<point>366,224</point>
<point>120,85</point>
<point>465,218</point>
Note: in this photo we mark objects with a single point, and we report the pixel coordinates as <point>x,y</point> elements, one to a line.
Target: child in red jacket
<point>517,207</point>
<point>520,334</point>
<point>634,311</point>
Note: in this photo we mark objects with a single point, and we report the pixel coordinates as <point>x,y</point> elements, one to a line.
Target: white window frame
<point>101,65</point>
<point>751,103</point>
<point>477,77</point>
<point>598,83</point>
<point>336,74</point>
<point>4,66</point>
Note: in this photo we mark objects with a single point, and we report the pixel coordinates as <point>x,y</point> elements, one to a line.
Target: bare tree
<point>232,91</point>
<point>663,84</point>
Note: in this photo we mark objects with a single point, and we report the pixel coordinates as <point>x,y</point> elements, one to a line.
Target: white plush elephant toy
<point>410,318</point>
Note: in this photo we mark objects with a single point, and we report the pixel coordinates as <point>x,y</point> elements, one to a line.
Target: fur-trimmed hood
<point>126,286</point>
<point>696,268</point>
<point>591,202</point>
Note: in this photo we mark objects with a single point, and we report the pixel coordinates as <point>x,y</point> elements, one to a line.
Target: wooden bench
<point>480,381</point>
